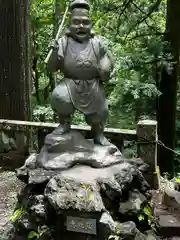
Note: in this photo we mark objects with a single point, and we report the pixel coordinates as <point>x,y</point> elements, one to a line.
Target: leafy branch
<point>151,10</point>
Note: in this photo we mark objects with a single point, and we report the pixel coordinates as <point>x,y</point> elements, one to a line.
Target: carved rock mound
<point>76,188</point>
<point>64,151</point>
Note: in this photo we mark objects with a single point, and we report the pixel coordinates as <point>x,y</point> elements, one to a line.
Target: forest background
<point>135,32</point>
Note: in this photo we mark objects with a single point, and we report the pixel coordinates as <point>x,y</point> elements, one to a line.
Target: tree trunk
<point>168,86</point>
<point>14,60</point>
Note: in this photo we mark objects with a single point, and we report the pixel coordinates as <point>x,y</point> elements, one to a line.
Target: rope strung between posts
<point>163,145</point>
<point>159,143</point>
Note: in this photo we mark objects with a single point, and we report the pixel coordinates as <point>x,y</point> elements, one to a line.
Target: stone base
<point>110,196</point>
<point>66,150</point>
<point>74,178</point>
<point>169,226</point>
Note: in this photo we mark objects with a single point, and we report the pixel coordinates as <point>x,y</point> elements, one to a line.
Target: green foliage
<point>17,214</point>
<point>146,213</point>
<point>78,118</point>
<point>43,112</point>
<point>33,235</point>
<point>86,192</point>
<point>177,179</point>
<point>43,232</point>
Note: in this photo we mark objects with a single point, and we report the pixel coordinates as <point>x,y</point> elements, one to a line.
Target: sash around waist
<point>86,95</point>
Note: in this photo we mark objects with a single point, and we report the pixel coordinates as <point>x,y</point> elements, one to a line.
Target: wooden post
<point>147,149</point>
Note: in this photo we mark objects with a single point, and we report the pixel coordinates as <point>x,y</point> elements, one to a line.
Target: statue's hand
<point>104,75</point>
<point>54,44</point>
<point>105,66</point>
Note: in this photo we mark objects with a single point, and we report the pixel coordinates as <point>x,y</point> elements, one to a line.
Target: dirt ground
<point>9,186</point>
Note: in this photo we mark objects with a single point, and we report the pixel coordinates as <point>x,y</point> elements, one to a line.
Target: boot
<point>64,124</point>
<point>98,134</point>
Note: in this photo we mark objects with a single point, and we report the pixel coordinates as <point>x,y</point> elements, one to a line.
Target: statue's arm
<point>52,65</point>
<point>56,59</point>
<point>106,62</point>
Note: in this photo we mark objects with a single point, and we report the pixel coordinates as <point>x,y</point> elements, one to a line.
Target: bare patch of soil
<point>9,186</point>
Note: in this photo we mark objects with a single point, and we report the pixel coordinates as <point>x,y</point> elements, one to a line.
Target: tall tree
<point>168,87</point>
<point>14,60</point>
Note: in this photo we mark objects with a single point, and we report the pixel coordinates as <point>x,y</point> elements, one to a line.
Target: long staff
<point>58,33</point>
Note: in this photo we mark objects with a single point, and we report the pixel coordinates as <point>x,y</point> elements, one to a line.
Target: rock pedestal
<point>76,189</point>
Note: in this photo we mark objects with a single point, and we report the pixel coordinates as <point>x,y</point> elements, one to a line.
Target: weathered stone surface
<point>128,231</point>
<point>171,197</point>
<point>124,170</point>
<point>35,176</point>
<point>150,235</point>
<point>106,225</point>
<point>8,232</point>
<point>6,143</point>
<point>30,163</point>
<point>169,225</point>
<point>40,175</point>
<point>65,190</point>
<point>139,163</point>
<point>66,150</point>
<point>72,175</point>
<point>64,193</point>
<point>22,174</point>
<point>133,205</point>
<point>62,152</point>
<point>38,210</point>
<point>51,195</point>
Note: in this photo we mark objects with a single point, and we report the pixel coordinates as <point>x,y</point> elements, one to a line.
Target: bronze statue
<point>86,65</point>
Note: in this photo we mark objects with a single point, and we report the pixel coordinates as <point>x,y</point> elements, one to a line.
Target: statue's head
<point>80,22</point>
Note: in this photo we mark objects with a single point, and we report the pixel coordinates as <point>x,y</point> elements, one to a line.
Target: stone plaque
<point>82,225</point>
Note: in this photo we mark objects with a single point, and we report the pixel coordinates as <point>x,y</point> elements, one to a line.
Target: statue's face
<point>80,25</point>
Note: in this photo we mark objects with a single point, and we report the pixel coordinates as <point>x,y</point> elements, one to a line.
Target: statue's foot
<point>62,129</point>
<point>101,140</point>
